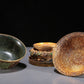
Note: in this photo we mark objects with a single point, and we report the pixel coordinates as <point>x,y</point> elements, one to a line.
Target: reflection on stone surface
<point>6,55</point>
<point>61,79</point>
<point>66,80</point>
<point>18,67</point>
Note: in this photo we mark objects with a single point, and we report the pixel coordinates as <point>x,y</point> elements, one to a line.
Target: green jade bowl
<point>12,50</point>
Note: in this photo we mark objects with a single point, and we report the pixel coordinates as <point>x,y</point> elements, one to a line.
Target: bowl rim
<point>42,43</point>
<point>10,61</point>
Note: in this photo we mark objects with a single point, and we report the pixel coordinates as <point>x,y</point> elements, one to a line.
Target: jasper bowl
<point>68,55</point>
<point>12,50</point>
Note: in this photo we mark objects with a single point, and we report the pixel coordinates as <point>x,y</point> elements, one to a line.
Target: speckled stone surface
<point>68,55</point>
<point>25,73</point>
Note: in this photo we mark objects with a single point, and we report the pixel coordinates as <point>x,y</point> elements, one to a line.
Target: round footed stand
<point>38,63</point>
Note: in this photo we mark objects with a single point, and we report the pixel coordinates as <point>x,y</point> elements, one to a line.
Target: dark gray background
<point>37,21</point>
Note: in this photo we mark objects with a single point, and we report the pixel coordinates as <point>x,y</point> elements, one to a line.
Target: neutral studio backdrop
<point>35,21</point>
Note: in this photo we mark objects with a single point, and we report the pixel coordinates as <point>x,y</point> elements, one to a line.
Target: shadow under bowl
<point>12,50</point>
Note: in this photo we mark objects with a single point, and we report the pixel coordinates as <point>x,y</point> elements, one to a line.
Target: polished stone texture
<point>11,50</point>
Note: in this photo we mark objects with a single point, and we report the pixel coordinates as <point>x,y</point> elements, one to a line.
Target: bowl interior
<point>69,57</point>
<point>11,48</point>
